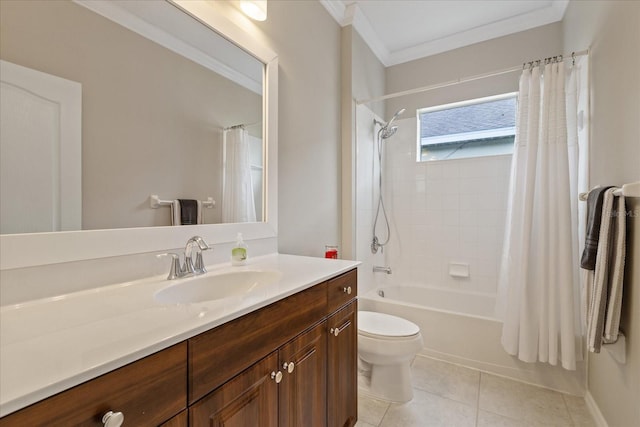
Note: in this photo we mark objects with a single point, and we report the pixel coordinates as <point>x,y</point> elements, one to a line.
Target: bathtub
<point>460,327</point>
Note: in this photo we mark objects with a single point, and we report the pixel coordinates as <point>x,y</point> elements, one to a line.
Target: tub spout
<point>380,269</point>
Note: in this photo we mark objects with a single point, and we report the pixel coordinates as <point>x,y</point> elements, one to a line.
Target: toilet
<point>386,347</point>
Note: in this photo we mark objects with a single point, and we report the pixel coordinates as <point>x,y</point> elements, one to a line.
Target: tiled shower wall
<point>443,212</point>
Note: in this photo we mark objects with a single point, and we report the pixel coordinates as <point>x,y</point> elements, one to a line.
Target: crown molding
<point>355,17</point>
<point>526,21</point>
<point>351,15</point>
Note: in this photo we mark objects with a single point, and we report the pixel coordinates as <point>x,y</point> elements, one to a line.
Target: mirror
<point>158,93</point>
<point>38,249</point>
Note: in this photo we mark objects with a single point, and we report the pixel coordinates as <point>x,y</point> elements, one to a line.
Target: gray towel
<point>186,212</point>
<point>594,218</point>
<point>606,287</point>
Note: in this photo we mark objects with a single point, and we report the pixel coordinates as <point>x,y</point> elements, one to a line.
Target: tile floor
<point>449,395</point>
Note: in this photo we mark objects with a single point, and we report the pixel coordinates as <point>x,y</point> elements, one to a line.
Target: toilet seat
<point>385,326</point>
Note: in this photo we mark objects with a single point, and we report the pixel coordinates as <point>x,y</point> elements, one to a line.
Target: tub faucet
<point>380,269</point>
<point>189,266</point>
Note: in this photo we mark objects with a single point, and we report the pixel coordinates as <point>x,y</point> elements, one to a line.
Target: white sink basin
<point>216,286</point>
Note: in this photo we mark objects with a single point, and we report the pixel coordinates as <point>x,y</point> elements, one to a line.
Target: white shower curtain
<point>238,204</point>
<point>539,289</point>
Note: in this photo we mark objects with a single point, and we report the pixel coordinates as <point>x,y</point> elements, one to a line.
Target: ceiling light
<point>255,9</point>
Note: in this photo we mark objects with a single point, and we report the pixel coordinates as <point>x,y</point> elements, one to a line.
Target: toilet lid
<point>382,324</point>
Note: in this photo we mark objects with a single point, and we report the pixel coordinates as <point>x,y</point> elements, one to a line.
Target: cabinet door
<point>303,390</point>
<point>248,399</point>
<point>342,370</point>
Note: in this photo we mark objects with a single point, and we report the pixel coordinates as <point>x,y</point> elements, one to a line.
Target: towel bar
<point>627,190</point>
<point>155,202</point>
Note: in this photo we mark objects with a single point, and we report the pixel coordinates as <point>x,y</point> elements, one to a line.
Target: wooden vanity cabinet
<point>245,365</point>
<point>292,363</point>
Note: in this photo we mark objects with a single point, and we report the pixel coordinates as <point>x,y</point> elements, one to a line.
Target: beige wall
<point>611,29</point>
<point>368,74</point>
<point>479,58</point>
<point>152,120</point>
<point>307,41</point>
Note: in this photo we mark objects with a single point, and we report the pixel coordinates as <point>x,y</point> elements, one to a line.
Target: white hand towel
<point>175,213</point>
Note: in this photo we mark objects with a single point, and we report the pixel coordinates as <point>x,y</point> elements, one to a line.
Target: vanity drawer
<point>148,392</point>
<point>220,354</point>
<point>341,290</point>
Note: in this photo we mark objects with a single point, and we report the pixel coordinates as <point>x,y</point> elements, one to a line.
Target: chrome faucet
<point>189,266</point>
<point>377,268</point>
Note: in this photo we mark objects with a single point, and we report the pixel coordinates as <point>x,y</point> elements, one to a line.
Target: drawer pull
<point>277,376</point>
<point>336,331</point>
<point>347,290</point>
<point>290,366</point>
<point>112,419</point>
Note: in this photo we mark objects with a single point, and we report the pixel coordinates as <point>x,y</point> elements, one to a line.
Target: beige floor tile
<point>579,412</point>
<point>427,409</point>
<point>371,410</point>
<point>489,419</point>
<point>534,405</point>
<point>363,424</point>
<point>446,380</point>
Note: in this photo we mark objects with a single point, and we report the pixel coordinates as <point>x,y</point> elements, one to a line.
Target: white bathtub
<point>460,327</point>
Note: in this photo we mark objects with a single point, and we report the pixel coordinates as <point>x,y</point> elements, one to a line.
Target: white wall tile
<point>440,212</point>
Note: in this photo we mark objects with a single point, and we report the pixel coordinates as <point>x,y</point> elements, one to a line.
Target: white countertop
<point>52,344</point>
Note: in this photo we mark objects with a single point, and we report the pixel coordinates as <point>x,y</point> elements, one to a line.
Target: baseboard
<point>594,410</point>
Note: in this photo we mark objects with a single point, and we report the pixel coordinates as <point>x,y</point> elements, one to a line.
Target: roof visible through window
<point>479,127</point>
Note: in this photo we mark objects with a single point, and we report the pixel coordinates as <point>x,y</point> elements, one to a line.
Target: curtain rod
<point>460,80</point>
<point>243,125</point>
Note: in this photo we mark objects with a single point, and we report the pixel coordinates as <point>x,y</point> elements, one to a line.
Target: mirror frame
<point>33,249</point>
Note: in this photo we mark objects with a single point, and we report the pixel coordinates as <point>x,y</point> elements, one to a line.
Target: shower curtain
<point>539,285</point>
<point>238,204</point>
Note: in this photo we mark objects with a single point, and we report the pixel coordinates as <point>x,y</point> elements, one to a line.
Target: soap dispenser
<point>239,252</point>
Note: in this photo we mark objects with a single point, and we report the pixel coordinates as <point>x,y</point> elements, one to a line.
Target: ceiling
<point>398,31</point>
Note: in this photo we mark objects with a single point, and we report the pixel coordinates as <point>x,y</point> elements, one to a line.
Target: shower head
<point>387,132</point>
<point>395,116</point>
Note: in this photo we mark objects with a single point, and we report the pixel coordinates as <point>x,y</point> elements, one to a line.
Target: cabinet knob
<point>334,331</point>
<point>113,419</point>
<point>277,376</point>
<point>347,290</point>
<point>290,366</point>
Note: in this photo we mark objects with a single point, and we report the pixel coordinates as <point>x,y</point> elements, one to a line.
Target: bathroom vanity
<point>284,356</point>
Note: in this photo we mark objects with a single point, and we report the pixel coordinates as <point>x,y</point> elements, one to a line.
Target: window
<point>474,128</point>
